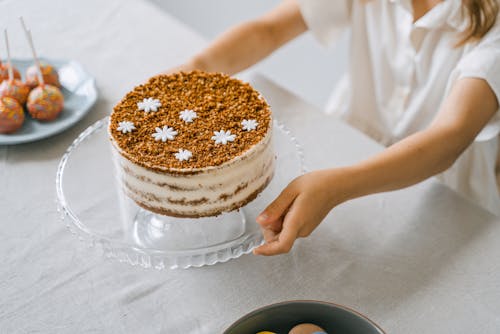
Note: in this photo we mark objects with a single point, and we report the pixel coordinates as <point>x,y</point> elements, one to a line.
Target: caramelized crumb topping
<point>220,102</point>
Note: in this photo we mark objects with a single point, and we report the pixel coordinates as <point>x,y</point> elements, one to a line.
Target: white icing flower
<point>167,133</point>
<point>149,104</point>
<point>188,115</point>
<point>125,127</point>
<point>222,137</point>
<point>249,124</point>
<point>183,155</point>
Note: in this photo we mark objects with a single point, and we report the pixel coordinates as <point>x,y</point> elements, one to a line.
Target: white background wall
<point>302,66</point>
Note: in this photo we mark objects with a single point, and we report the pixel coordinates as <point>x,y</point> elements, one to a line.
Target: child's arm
<point>308,199</point>
<point>249,42</point>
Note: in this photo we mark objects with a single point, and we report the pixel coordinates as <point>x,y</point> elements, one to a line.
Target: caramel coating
<point>49,74</point>
<point>11,115</point>
<point>15,89</point>
<point>45,103</point>
<point>4,72</point>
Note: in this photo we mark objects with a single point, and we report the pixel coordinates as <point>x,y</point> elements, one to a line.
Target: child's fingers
<point>276,209</point>
<point>269,235</point>
<point>286,238</point>
<point>283,244</point>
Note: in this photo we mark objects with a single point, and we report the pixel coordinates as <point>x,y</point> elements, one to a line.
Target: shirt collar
<point>456,17</point>
<point>406,4</point>
<point>448,12</point>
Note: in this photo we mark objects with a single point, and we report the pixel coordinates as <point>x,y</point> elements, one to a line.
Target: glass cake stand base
<point>94,208</point>
<point>169,233</point>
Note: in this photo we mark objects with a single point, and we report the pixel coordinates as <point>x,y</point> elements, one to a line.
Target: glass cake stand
<point>95,209</point>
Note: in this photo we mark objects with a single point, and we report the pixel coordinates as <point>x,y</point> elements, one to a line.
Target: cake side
<point>208,193</point>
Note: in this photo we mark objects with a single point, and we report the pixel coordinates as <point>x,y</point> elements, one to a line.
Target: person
<point>423,79</point>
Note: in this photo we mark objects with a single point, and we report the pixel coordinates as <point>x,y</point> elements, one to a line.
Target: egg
<point>11,115</point>
<point>49,74</point>
<point>307,329</point>
<point>45,103</point>
<point>4,72</point>
<point>15,89</point>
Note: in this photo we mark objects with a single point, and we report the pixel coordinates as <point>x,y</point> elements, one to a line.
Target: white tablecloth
<point>420,260</point>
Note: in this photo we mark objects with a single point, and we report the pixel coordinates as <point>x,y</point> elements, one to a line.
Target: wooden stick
<point>27,32</point>
<point>9,62</point>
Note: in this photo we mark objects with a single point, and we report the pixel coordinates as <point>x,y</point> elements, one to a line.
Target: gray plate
<point>280,318</point>
<point>80,94</point>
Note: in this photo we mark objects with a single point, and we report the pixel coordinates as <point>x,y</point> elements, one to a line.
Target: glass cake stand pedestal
<point>93,206</point>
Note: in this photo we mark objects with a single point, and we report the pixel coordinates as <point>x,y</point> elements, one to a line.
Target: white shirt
<point>400,72</point>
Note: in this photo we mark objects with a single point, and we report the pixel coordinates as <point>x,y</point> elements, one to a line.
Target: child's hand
<point>299,209</point>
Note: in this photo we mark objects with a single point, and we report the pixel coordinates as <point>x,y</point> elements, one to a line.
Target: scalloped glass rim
<point>147,257</point>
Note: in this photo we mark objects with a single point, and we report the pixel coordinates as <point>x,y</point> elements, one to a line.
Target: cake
<point>192,144</point>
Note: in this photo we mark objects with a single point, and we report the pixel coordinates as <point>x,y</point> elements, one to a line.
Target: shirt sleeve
<point>483,61</point>
<point>326,18</point>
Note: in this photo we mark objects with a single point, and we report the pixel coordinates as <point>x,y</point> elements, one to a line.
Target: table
<point>419,260</point>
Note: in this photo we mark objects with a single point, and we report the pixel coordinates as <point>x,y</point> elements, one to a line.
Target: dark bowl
<point>281,317</point>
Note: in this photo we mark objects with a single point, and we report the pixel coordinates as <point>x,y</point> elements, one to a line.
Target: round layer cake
<point>193,144</point>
